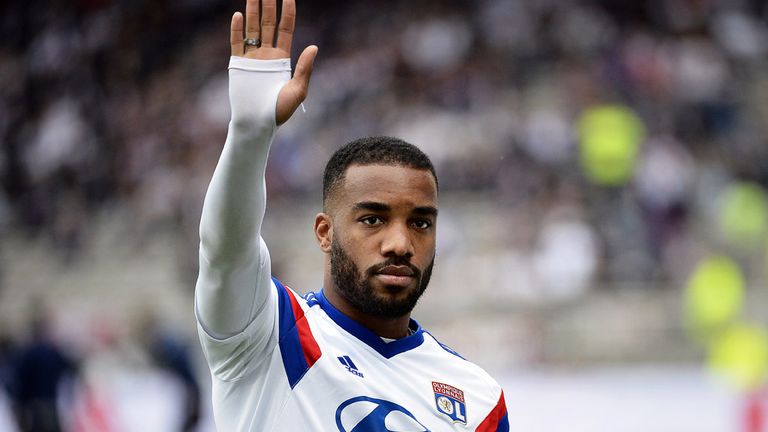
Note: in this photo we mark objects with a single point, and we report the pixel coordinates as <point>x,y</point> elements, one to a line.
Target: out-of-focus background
<point>603,233</point>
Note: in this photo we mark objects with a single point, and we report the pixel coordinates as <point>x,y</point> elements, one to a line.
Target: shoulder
<point>290,301</point>
<point>452,360</point>
<point>429,336</point>
<point>462,380</point>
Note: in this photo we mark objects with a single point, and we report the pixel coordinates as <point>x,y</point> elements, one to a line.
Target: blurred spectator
<point>40,374</point>
<point>170,353</point>
<point>566,256</point>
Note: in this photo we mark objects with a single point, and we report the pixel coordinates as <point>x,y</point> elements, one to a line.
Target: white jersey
<point>282,362</point>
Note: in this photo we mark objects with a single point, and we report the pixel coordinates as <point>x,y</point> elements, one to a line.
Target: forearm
<point>234,263</point>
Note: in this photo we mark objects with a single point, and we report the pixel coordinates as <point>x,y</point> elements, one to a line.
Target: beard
<point>356,287</point>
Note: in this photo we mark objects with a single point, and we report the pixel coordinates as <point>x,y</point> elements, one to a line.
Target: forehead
<point>393,185</point>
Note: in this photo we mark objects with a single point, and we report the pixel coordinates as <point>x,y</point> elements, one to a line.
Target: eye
<point>422,224</point>
<point>372,221</point>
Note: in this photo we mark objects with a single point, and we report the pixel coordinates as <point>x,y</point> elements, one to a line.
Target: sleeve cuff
<point>255,65</point>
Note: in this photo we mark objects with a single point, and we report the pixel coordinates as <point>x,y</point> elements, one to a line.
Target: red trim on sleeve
<point>491,422</point>
<point>308,343</point>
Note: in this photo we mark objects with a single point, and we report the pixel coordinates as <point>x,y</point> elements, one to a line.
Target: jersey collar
<point>386,349</point>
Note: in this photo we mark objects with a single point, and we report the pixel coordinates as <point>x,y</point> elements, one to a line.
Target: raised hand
<point>262,44</point>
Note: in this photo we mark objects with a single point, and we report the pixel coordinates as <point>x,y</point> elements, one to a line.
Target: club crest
<point>450,401</point>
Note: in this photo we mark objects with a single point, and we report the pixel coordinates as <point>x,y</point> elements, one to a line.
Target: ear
<point>324,231</point>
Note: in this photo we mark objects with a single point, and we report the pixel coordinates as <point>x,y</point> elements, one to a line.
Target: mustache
<point>393,261</point>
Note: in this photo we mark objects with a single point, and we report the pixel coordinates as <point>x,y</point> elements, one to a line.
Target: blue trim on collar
<point>444,346</point>
<point>386,349</point>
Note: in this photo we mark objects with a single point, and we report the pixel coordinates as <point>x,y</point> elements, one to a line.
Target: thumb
<point>294,93</point>
<point>305,65</point>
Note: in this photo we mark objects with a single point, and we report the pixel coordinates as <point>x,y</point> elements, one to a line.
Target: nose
<point>397,241</point>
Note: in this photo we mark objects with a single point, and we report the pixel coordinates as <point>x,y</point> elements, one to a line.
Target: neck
<point>391,328</point>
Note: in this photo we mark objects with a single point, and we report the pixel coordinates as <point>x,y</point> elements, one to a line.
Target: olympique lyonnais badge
<point>450,401</point>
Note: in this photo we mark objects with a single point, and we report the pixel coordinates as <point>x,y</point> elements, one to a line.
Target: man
<point>41,371</point>
<point>347,358</point>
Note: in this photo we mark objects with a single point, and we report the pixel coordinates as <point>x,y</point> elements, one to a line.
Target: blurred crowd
<point>606,132</point>
<point>120,107</point>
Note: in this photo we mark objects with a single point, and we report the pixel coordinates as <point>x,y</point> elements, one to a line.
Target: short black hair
<point>377,150</point>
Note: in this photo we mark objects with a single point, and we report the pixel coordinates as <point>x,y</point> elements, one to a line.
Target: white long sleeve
<point>234,286</point>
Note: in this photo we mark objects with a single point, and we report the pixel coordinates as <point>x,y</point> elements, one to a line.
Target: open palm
<point>274,46</point>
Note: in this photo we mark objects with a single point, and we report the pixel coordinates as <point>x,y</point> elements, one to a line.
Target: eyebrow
<point>371,206</point>
<point>381,207</point>
<point>426,211</point>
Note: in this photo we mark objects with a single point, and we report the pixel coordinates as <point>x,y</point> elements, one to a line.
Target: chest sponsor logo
<point>367,414</point>
<point>350,366</point>
<point>450,401</point>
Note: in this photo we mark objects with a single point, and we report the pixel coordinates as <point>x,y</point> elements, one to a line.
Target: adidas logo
<point>350,366</point>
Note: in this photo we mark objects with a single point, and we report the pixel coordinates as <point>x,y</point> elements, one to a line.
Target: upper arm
<point>249,314</point>
<point>229,298</point>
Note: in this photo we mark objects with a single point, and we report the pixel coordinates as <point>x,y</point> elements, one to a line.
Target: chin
<point>394,290</point>
<point>395,295</point>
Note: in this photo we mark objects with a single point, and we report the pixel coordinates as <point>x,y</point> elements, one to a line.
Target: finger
<point>252,19</point>
<point>287,25</point>
<point>304,66</point>
<point>236,34</point>
<point>268,21</point>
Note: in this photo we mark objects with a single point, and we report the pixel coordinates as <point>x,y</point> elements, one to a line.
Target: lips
<point>396,270</point>
<point>396,275</point>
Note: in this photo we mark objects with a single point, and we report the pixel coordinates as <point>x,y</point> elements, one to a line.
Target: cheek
<point>426,257</point>
<point>357,247</point>
<point>365,255</point>
<point>426,243</point>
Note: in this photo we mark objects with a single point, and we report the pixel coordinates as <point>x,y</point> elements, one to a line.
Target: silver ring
<point>253,42</point>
